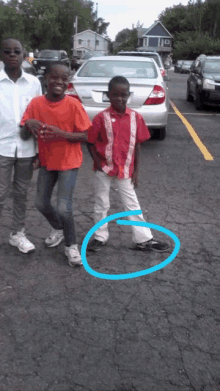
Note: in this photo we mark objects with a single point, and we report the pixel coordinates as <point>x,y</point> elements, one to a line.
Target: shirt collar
<point>3,75</point>
<point>116,114</point>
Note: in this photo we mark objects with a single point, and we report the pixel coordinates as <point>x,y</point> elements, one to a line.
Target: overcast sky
<point>123,13</point>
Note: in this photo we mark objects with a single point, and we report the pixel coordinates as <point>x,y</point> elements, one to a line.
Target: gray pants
<point>23,171</point>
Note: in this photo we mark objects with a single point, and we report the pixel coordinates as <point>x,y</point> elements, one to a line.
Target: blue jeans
<point>62,216</point>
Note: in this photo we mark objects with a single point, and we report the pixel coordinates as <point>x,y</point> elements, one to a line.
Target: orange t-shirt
<point>67,114</point>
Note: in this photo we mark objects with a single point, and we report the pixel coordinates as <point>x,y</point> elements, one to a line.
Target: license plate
<point>105,97</point>
<point>42,67</point>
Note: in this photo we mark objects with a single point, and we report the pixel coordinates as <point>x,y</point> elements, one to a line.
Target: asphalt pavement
<point>62,329</point>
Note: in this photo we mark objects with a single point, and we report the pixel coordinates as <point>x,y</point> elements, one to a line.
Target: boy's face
<point>12,54</point>
<point>57,82</point>
<point>118,96</point>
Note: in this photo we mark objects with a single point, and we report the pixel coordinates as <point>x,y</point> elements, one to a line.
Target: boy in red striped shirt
<point>114,143</point>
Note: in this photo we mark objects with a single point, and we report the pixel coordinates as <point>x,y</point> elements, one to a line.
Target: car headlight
<point>208,84</point>
<point>34,62</point>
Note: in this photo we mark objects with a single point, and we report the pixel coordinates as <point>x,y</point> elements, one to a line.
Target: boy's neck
<point>56,98</point>
<point>119,112</point>
<point>13,74</point>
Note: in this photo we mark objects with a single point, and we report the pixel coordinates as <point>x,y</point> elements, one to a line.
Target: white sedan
<point>148,90</point>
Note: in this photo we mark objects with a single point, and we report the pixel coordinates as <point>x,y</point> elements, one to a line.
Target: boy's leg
<point>45,184</point>
<point>6,166</point>
<point>102,204</point>
<point>23,171</point>
<point>66,185</point>
<point>130,202</point>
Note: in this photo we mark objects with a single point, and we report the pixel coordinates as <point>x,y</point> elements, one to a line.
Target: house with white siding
<point>88,41</point>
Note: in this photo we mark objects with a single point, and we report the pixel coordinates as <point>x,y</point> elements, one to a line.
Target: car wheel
<point>160,134</point>
<point>189,97</point>
<point>198,101</point>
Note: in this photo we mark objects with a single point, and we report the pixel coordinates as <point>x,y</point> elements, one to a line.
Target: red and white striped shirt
<point>115,136</point>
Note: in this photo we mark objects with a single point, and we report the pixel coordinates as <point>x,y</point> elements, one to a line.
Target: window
<point>167,42</point>
<point>80,41</point>
<point>88,42</point>
<point>97,43</point>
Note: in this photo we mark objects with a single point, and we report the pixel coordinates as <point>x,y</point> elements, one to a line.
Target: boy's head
<point>12,53</point>
<point>118,93</point>
<point>57,80</point>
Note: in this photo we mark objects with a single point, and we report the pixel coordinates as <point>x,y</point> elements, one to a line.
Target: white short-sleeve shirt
<point>14,98</point>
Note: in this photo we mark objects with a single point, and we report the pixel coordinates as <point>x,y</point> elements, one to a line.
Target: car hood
<point>94,92</point>
<point>212,76</point>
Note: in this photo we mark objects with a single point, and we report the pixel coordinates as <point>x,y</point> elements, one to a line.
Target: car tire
<point>160,134</point>
<point>189,97</point>
<point>198,101</point>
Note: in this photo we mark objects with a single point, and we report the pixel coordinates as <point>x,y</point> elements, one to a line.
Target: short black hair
<point>118,80</point>
<point>54,64</point>
<point>15,39</point>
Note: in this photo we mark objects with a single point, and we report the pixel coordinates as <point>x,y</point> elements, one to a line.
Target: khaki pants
<point>23,171</point>
<point>129,200</point>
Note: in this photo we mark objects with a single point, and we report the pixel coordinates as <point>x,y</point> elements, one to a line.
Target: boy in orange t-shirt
<point>60,155</point>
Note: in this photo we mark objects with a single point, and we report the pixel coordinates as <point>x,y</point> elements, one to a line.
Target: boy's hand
<point>33,126</point>
<point>36,163</point>
<point>49,131</point>
<point>134,178</point>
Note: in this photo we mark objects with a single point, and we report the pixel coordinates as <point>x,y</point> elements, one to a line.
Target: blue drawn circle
<point>128,222</point>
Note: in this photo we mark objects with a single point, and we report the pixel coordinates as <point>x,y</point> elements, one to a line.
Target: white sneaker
<point>56,237</point>
<point>20,241</point>
<point>73,255</point>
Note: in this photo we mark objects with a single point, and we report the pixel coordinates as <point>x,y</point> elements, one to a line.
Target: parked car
<point>185,66</point>
<point>45,57</point>
<point>26,66</point>
<point>177,66</point>
<point>153,55</point>
<point>203,84</point>
<point>148,91</point>
<point>88,55</point>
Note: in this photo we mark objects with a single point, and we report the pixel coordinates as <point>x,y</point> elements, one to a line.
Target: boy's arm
<point>95,157</point>
<point>51,131</point>
<point>134,177</point>
<point>31,127</point>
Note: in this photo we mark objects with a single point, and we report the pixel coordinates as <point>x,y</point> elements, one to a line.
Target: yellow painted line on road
<point>207,155</point>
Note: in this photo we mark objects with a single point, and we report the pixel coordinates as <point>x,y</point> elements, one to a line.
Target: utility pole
<point>96,25</point>
<point>75,26</point>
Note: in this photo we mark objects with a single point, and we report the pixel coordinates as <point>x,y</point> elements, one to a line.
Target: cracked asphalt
<point>61,329</point>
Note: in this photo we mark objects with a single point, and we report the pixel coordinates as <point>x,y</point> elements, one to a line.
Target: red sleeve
<point>143,133</point>
<point>81,119</point>
<point>95,129</point>
<point>28,113</point>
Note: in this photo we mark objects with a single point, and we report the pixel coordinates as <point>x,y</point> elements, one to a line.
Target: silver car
<point>148,91</point>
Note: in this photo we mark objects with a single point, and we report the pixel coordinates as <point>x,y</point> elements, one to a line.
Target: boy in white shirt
<point>17,88</point>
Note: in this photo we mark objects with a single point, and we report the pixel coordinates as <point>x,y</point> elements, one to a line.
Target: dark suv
<point>203,84</point>
<point>45,57</point>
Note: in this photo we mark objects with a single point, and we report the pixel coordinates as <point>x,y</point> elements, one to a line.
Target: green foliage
<point>195,28</point>
<point>189,47</point>
<point>47,24</point>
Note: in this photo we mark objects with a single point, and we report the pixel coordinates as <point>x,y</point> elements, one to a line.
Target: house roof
<point>82,32</point>
<point>147,31</point>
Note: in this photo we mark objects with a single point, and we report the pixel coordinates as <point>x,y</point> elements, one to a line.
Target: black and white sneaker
<point>154,245</point>
<point>95,245</point>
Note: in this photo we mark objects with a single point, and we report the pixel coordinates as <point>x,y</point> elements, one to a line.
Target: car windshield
<point>140,54</point>
<point>212,66</point>
<point>130,69</point>
<point>187,62</point>
<point>48,54</point>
